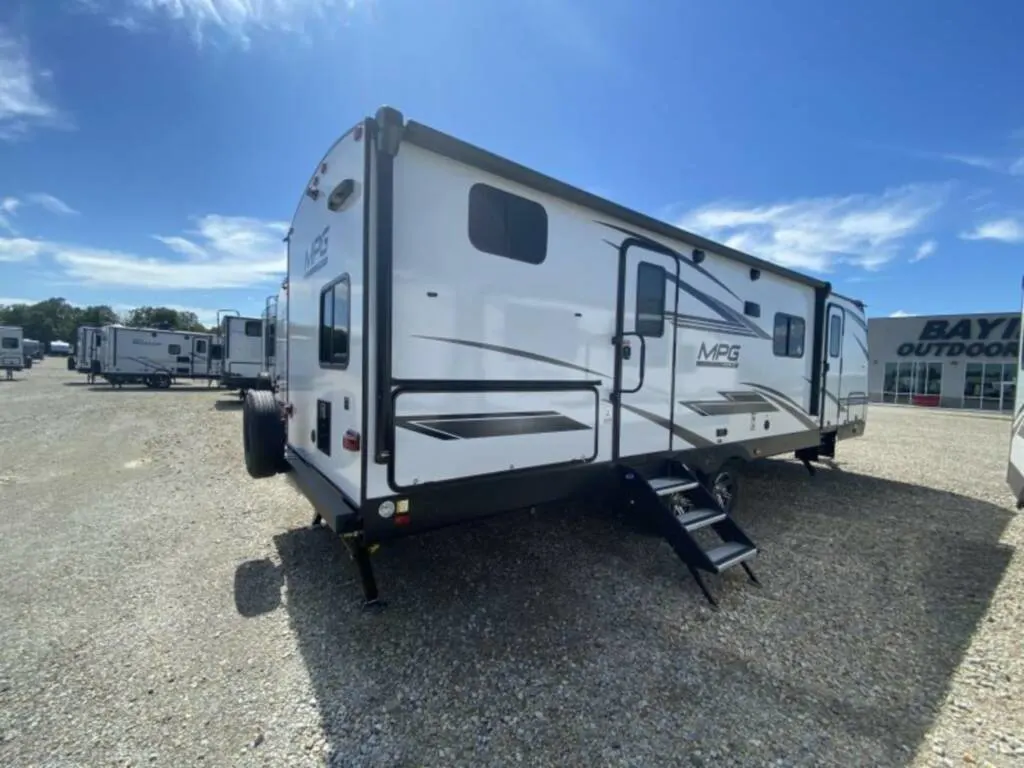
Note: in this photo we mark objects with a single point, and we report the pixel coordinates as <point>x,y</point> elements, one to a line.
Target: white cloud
<point>817,233</point>
<point>236,17</point>
<point>19,249</point>
<point>1012,166</point>
<point>21,104</point>
<point>52,204</point>
<point>900,313</point>
<point>222,252</point>
<point>1006,230</point>
<point>924,250</point>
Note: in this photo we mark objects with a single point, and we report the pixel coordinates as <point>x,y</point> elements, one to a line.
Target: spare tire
<point>263,434</point>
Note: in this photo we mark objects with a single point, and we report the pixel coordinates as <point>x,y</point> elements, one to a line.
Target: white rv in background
<point>241,343</point>
<point>466,336</point>
<point>154,357</point>
<point>12,357</point>
<point>60,348</point>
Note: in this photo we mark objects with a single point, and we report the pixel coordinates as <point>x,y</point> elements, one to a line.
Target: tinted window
<point>507,225</point>
<point>201,347</point>
<point>174,349</point>
<point>334,323</point>
<point>9,342</point>
<point>216,351</point>
<point>788,338</point>
<point>835,335</point>
<point>253,328</point>
<point>650,299</point>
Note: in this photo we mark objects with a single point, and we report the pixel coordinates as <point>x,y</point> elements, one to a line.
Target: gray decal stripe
<point>684,434</point>
<point>682,259</point>
<point>863,348</point>
<point>858,320</point>
<point>731,316</point>
<point>786,403</point>
<point>1018,421</point>
<point>732,404</point>
<point>514,352</point>
<point>501,424</point>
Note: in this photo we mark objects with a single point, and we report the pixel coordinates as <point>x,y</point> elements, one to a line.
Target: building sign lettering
<point>973,337</point>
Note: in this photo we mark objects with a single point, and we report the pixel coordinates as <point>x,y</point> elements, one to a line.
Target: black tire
<point>263,434</point>
<point>726,485</point>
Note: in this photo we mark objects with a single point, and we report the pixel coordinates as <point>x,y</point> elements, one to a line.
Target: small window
<point>200,347</point>
<point>650,299</point>
<point>99,341</point>
<point>174,349</point>
<point>253,328</point>
<point>216,351</point>
<point>789,336</point>
<point>334,323</point>
<point>835,335</point>
<point>10,342</point>
<point>507,225</point>
<point>271,340</point>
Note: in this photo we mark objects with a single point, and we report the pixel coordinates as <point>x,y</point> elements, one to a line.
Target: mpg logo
<point>316,254</point>
<point>718,356</point>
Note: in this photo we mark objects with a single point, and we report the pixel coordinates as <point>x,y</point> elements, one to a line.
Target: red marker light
<point>350,442</point>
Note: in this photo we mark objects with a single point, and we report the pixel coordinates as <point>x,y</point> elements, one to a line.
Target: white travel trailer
<point>60,348</point>
<point>275,338</point>
<point>467,336</point>
<point>87,339</point>
<point>1015,465</point>
<point>12,357</point>
<point>153,357</point>
<point>241,342</point>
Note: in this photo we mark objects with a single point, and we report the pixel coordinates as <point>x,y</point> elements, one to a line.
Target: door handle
<point>642,361</point>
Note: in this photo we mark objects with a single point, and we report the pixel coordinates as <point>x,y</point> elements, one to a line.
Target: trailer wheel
<point>263,434</point>
<point>725,484</point>
<point>162,381</point>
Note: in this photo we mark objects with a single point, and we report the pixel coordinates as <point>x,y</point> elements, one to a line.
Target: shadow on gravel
<point>561,638</point>
<point>143,388</point>
<point>228,405</point>
<point>78,383</point>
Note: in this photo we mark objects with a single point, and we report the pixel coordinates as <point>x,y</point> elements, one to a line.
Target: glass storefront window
<point>902,380</point>
<point>972,385</point>
<point>889,384</point>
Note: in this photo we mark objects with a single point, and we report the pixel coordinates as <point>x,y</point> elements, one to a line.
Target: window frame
<point>259,329</point>
<point>663,274</point>
<point>172,347</point>
<point>201,350</point>
<point>5,345</point>
<point>787,352</point>
<point>330,288</point>
<point>481,241</point>
<point>836,349</point>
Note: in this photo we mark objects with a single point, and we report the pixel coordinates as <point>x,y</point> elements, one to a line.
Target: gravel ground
<point>160,608</point>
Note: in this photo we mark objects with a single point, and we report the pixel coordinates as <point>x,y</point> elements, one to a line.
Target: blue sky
<point>152,151</point>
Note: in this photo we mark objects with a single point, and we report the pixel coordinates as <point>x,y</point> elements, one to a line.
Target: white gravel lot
<point>159,607</point>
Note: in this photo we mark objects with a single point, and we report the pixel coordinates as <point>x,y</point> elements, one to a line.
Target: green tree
<point>54,319</point>
<point>163,317</point>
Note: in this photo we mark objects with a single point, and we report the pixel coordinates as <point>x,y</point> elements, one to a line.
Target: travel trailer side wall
<point>467,336</point>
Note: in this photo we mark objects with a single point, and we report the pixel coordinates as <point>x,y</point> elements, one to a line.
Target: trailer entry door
<point>646,353</point>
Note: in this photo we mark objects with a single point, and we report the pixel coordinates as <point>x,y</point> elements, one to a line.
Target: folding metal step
<point>700,518</point>
<point>731,553</point>
<point>664,486</point>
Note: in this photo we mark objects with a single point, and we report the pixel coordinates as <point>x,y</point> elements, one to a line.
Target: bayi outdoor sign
<point>970,336</point>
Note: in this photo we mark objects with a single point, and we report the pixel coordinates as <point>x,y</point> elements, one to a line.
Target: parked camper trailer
<point>60,349</point>
<point>1015,465</point>
<point>87,345</point>
<point>241,342</point>
<point>31,351</point>
<point>12,358</point>
<point>275,324</point>
<point>467,336</point>
<point>153,357</point>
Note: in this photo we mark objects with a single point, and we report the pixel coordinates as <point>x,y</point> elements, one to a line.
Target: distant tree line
<point>56,320</point>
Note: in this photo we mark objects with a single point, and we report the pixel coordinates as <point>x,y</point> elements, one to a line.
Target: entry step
<point>700,518</point>
<point>729,554</point>
<point>663,486</point>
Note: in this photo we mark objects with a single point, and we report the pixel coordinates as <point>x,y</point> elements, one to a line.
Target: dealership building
<point>952,361</point>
